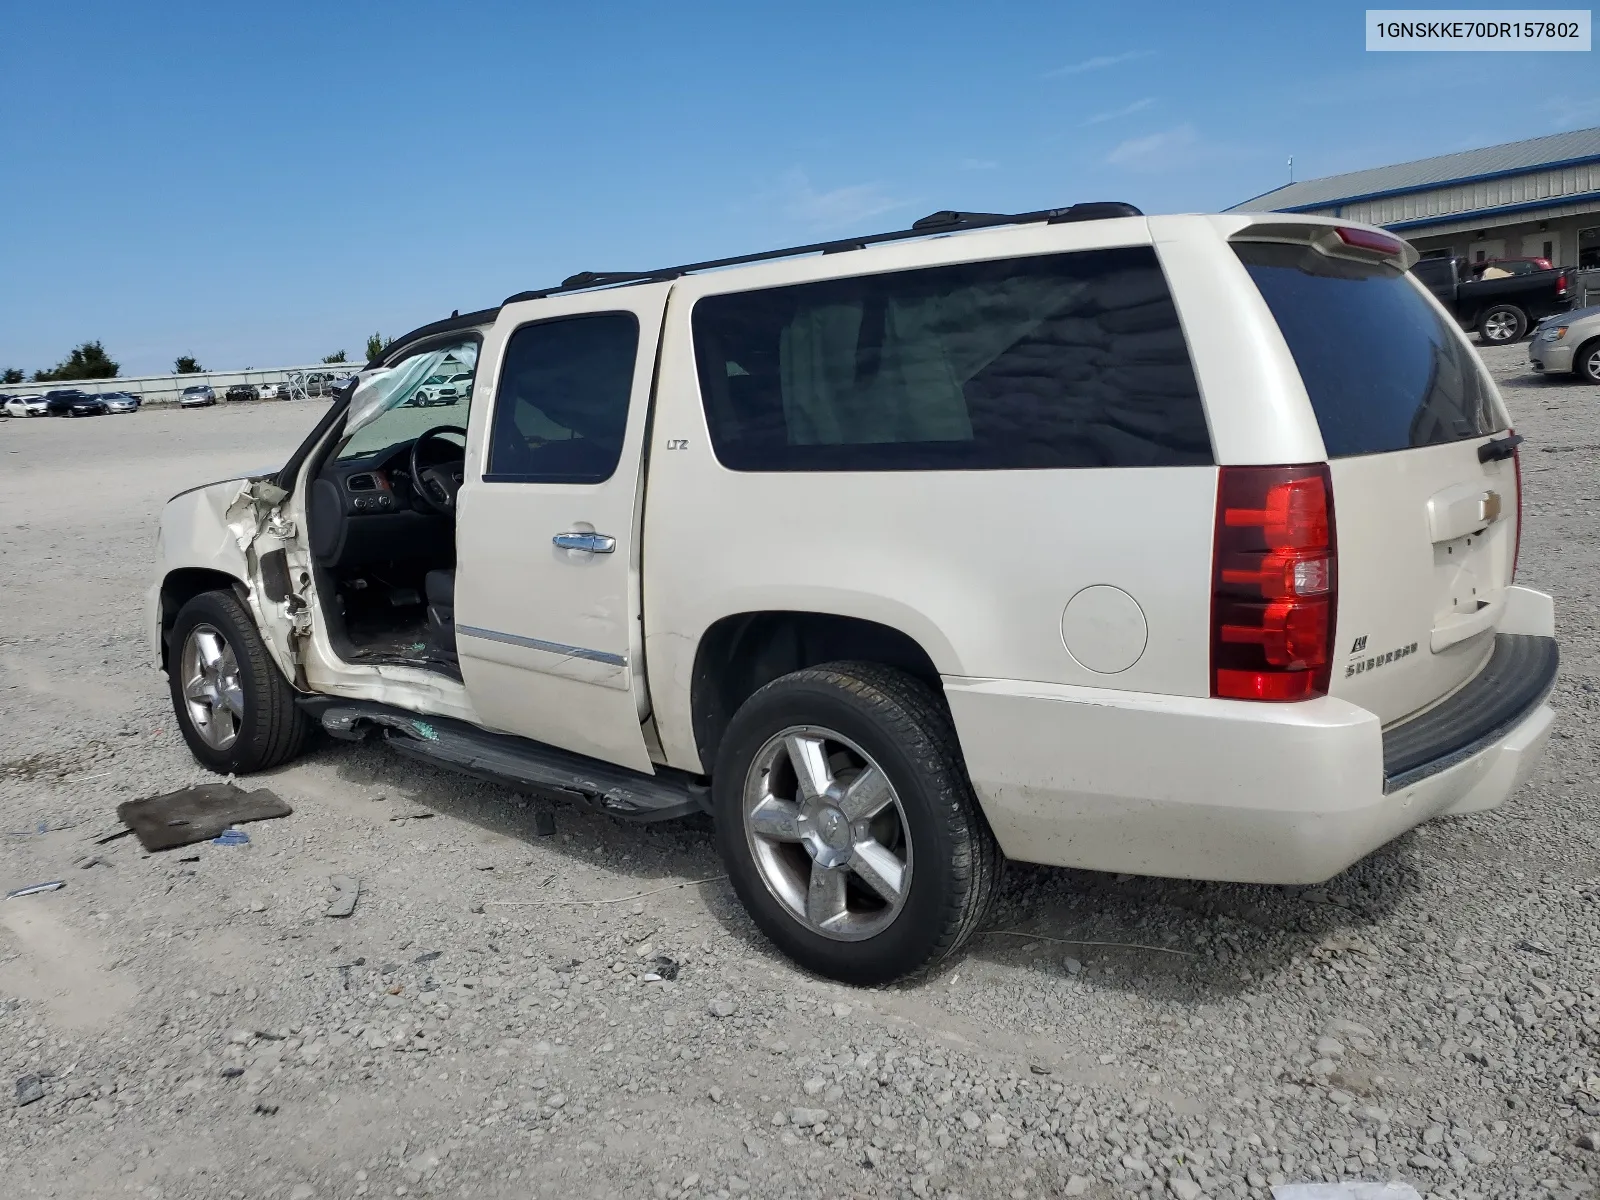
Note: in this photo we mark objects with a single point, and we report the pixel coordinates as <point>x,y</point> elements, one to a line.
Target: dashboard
<point>365,510</point>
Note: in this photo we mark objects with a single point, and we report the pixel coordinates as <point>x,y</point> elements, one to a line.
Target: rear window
<point>1066,360</point>
<point>1383,370</point>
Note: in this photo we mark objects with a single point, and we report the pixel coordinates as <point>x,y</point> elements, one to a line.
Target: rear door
<point>1425,491</point>
<point>547,551</point>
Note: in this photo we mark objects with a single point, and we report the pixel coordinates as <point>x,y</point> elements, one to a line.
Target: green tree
<point>336,357</point>
<point>13,375</point>
<point>185,364</point>
<point>375,346</point>
<point>88,361</point>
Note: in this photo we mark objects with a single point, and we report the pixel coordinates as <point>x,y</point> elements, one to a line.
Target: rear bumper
<point>1217,789</point>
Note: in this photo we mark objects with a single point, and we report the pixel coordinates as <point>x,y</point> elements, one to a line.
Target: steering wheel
<point>436,486</point>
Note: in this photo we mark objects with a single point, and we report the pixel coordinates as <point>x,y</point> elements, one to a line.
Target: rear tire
<point>241,688</point>
<point>1586,361</point>
<point>892,878</point>
<point>1502,325</point>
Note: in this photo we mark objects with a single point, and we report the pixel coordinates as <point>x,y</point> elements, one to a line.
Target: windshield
<point>389,407</point>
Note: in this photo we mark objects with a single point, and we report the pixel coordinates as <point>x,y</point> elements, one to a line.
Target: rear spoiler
<point>1336,239</point>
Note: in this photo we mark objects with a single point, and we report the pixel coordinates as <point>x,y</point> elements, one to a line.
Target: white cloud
<point>1138,106</point>
<point>839,206</point>
<point>1157,151</point>
<point>1098,63</point>
<point>978,164</point>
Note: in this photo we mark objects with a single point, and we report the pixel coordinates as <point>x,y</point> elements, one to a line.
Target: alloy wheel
<point>828,833</point>
<point>212,690</point>
<point>1500,327</point>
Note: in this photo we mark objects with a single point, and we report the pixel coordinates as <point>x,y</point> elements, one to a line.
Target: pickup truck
<point>1500,310</point>
<point>1076,537</point>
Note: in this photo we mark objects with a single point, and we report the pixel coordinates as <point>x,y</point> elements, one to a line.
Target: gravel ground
<point>591,1014</point>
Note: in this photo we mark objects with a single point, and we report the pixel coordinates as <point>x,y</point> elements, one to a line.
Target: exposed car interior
<point>380,512</point>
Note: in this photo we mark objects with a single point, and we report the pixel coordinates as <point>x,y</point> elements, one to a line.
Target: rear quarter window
<point>1383,370</point>
<point>1056,361</point>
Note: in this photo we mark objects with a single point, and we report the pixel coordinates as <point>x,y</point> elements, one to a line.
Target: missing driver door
<point>547,552</point>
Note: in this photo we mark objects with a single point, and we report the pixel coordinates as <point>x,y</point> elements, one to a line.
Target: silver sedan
<point>1568,342</point>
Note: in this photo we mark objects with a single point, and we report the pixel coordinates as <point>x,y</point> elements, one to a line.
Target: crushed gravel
<point>509,1012</point>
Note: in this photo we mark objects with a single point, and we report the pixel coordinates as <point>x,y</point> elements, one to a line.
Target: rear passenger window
<point>562,405</point>
<point>1383,370</point>
<point>1067,360</point>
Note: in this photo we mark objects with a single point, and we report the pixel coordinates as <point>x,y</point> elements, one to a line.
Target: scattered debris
<point>232,1072</point>
<point>29,1089</point>
<point>1353,1189</point>
<point>93,860</point>
<point>231,837</point>
<point>110,834</point>
<point>544,823</point>
<point>1535,948</point>
<point>271,1110</point>
<point>722,1006</point>
<point>663,968</point>
<point>419,814</point>
<point>1038,1068</point>
<point>429,957</point>
<point>205,812</point>
<point>346,890</point>
<point>33,889</point>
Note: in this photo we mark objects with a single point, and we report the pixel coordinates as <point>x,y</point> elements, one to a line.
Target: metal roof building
<point>1539,197</point>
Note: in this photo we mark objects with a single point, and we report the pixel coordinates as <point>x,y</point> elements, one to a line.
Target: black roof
<point>946,221</point>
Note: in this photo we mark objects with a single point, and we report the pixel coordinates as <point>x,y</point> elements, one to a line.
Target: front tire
<point>1502,325</point>
<point>236,710</point>
<point>847,823</point>
<point>1586,362</point>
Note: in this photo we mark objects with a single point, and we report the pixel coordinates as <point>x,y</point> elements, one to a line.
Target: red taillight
<point>1561,285</point>
<point>1516,465</point>
<point>1274,583</point>
<point>1370,239</point>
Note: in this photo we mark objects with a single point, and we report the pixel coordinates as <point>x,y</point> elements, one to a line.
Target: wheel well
<point>1577,355</point>
<point>182,586</point>
<point>742,653</point>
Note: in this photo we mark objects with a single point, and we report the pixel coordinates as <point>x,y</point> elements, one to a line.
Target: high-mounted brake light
<point>1369,239</point>
<point>1274,583</point>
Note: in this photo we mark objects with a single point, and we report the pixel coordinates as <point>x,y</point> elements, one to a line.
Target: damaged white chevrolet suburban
<point>1174,545</point>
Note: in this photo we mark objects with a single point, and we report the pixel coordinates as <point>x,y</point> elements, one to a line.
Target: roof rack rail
<point>946,221</point>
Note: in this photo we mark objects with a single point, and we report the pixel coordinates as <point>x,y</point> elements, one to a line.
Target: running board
<point>517,762</point>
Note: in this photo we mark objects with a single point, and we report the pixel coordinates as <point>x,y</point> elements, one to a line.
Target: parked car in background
<point>1569,343</point>
<point>1512,266</point>
<point>86,405</point>
<point>439,390</point>
<point>60,401</point>
<point>274,391</point>
<point>199,395</point>
<point>26,406</point>
<point>242,391</point>
<point>1500,310</point>
<point>121,402</point>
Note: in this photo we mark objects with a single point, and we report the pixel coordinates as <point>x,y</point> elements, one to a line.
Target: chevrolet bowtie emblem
<point>1491,506</point>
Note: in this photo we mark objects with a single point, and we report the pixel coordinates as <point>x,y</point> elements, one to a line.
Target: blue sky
<point>263,184</point>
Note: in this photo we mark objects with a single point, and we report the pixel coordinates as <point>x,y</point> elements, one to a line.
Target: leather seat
<point>440,587</point>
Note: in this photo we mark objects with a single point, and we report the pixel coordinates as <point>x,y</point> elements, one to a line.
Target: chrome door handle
<point>594,543</point>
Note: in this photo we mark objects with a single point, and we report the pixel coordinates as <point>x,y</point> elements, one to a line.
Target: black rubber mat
<point>196,814</point>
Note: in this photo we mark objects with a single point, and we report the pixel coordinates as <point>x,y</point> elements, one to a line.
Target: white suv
<point>1173,545</point>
